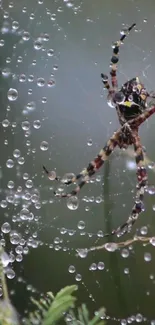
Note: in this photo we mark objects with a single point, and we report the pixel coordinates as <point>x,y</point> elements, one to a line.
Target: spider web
<point>54,112</point>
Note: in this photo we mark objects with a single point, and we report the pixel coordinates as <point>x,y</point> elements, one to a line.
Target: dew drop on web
<point>111,247</point>
<point>52,175</point>
<point>82,252</point>
<point>12,94</point>
<point>44,146</point>
<point>81,225</point>
<point>73,203</point>
<point>5,228</point>
<point>147,257</point>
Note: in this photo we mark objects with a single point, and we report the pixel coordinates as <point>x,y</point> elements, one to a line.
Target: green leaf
<point>97,317</point>
<point>66,291</point>
<point>50,295</point>
<point>58,307</point>
<point>85,313</point>
<point>80,315</point>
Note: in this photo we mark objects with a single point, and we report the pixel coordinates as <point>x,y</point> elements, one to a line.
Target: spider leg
<point>114,62</point>
<point>142,182</point>
<point>115,58</point>
<point>93,166</point>
<point>135,123</point>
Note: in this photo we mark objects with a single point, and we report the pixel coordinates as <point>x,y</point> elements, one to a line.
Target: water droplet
<point>19,258</point>
<point>19,249</point>
<point>111,247</point>
<point>37,124</point>
<point>82,252</point>
<point>73,203</point>
<point>78,277</point>
<point>81,225</point>
<point>125,253</point>
<point>25,125</point>
<point>21,160</point>
<point>11,184</point>
<point>52,175</point>
<point>15,25</point>
<point>26,36</point>
<point>6,228</point>
<point>93,267</point>
<point>38,44</point>
<point>6,72</point>
<point>152,241</point>
<point>139,318</point>
<point>16,153</point>
<point>98,199</point>
<point>12,94</point>
<point>101,266</point>
<point>5,259</point>
<point>29,183</point>
<point>71,269</point>
<point>5,123</point>
<point>147,257</point>
<point>50,52</point>
<point>14,238</point>
<point>89,142</point>
<point>10,163</point>
<point>126,270</point>
<point>124,31</point>
<point>44,145</point>
<point>31,106</point>
<point>144,230</point>
<point>10,273</point>
<point>150,190</point>
<point>41,82</point>
<point>51,83</point>
<point>25,214</point>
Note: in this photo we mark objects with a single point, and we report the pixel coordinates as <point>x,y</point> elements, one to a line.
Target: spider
<point>133,108</point>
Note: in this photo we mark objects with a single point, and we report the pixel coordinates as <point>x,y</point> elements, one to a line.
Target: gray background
<point>76,111</point>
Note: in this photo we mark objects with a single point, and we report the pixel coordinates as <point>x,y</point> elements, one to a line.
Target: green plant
<point>50,310</point>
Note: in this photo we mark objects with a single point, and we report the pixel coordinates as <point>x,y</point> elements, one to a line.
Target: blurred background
<point>54,112</point>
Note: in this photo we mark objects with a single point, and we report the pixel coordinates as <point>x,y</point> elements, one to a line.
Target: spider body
<point>132,109</point>
<point>130,101</point>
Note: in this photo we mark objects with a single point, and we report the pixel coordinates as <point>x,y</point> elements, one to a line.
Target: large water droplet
<point>37,124</point>
<point>6,228</point>
<point>73,203</point>
<point>111,247</point>
<point>100,266</point>
<point>125,252</point>
<point>147,257</point>
<point>81,225</point>
<point>12,94</point>
<point>10,163</point>
<point>152,241</point>
<point>71,269</point>
<point>5,259</point>
<point>82,252</point>
<point>10,273</point>
<point>44,145</point>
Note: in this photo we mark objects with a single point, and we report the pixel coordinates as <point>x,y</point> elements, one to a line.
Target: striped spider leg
<point>132,110</point>
<point>126,135</point>
<point>114,61</point>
